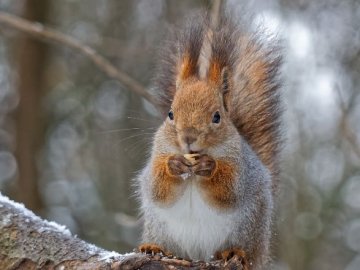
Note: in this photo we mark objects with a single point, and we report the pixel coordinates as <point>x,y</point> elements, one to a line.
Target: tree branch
<point>28,242</point>
<point>345,127</point>
<point>46,34</point>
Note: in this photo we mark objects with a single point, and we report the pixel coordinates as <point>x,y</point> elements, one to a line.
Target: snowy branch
<point>28,242</point>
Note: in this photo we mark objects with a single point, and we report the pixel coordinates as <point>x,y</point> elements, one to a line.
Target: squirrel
<point>208,188</point>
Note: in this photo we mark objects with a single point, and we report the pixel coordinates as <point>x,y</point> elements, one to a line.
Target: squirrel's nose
<point>189,139</point>
<point>189,135</point>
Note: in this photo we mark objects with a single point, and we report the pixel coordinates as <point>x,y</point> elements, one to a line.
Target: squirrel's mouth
<point>198,152</point>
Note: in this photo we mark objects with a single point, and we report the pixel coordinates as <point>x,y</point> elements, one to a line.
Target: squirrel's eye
<point>216,118</point>
<point>171,115</point>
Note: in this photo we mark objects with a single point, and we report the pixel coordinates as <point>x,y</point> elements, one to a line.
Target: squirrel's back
<point>248,64</point>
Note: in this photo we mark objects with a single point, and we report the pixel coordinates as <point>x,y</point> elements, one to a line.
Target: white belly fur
<point>198,229</point>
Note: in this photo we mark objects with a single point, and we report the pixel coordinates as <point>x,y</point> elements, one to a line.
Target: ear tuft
<point>214,72</point>
<point>190,44</point>
<point>223,43</point>
<point>188,68</point>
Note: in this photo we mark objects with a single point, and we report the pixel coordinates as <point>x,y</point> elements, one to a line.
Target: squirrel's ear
<point>220,76</point>
<point>189,46</point>
<point>215,72</point>
<point>187,68</point>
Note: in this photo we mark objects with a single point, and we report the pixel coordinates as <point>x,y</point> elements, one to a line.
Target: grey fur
<point>249,220</point>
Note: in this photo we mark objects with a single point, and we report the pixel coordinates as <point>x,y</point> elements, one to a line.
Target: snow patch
<point>92,248</point>
<point>49,225</point>
<point>59,227</point>
<point>109,256</point>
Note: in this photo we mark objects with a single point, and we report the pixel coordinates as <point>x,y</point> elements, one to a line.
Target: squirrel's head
<point>198,119</point>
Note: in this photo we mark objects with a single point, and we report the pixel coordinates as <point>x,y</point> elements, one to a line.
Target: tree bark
<point>28,242</point>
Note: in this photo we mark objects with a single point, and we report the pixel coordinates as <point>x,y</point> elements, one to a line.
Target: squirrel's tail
<point>246,64</point>
<point>254,89</point>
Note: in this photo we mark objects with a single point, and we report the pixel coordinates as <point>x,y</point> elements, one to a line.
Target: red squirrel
<point>207,190</point>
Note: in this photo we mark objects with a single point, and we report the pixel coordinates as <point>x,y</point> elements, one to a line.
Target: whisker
<point>140,119</point>
<point>138,146</point>
<point>134,136</point>
<point>138,113</point>
<point>127,129</point>
<point>134,148</point>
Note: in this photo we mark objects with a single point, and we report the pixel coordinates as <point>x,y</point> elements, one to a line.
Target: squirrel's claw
<point>151,249</point>
<point>229,254</point>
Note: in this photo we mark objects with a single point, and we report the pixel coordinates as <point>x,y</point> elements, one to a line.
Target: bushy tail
<point>252,78</point>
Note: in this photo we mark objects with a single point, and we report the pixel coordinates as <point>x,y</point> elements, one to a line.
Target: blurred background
<point>71,138</point>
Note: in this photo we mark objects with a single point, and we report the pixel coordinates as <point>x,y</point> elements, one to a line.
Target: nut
<point>192,158</point>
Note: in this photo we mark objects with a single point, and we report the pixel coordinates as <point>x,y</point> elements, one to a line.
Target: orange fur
<point>219,188</point>
<point>194,106</point>
<point>188,68</point>
<point>215,72</point>
<point>258,71</point>
<point>166,187</point>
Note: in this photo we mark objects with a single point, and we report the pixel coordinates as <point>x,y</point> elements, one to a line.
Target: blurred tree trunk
<point>30,57</point>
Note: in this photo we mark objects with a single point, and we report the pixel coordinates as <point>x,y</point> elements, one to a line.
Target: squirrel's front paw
<point>205,166</point>
<point>178,165</point>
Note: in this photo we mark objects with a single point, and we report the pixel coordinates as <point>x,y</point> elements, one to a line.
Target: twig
<point>46,34</point>
<point>215,12</point>
<point>348,133</point>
